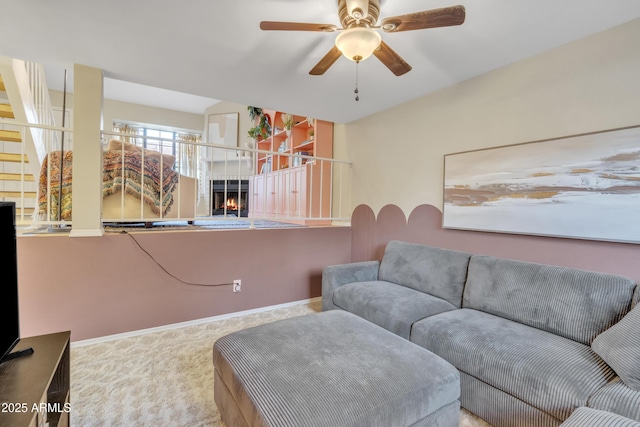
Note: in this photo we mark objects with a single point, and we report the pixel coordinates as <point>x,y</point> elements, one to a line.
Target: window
<point>164,140</point>
<point>156,139</point>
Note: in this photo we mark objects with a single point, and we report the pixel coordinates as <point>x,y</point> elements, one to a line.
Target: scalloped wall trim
<point>370,233</point>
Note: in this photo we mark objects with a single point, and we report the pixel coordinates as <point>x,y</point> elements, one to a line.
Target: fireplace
<point>234,202</point>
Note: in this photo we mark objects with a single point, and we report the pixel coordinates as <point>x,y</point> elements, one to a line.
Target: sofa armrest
<point>584,416</point>
<point>335,276</point>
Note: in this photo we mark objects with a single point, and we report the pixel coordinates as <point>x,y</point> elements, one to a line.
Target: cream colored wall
<point>57,99</point>
<point>124,111</point>
<point>587,85</point>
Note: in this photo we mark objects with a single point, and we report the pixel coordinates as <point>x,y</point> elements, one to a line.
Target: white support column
<point>87,152</point>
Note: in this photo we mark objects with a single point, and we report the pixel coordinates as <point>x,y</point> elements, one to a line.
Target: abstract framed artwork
<point>583,186</point>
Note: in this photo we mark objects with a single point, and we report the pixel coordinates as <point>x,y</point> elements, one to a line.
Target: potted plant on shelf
<point>255,133</point>
<point>311,130</point>
<point>254,113</point>
<point>287,122</point>
<point>262,128</point>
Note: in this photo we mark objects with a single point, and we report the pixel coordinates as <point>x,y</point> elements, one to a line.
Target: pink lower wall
<point>97,286</point>
<point>371,233</point>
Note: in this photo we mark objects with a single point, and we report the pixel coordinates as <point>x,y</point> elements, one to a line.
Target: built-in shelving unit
<point>293,182</point>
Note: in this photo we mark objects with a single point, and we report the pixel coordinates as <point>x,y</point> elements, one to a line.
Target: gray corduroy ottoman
<point>331,369</point>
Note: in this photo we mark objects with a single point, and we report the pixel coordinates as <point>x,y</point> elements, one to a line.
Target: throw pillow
<point>115,144</point>
<point>619,346</point>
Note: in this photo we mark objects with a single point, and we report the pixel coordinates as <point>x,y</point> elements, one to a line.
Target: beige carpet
<point>162,378</point>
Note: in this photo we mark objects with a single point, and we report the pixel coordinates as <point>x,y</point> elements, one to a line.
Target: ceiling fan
<point>358,38</point>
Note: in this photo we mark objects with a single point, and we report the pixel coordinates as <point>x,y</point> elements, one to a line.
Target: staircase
<point>16,184</point>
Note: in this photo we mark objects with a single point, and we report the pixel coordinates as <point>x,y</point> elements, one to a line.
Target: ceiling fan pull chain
<point>356,91</point>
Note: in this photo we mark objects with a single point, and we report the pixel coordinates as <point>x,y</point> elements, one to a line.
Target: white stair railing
<point>26,87</point>
<point>27,92</point>
<point>34,93</point>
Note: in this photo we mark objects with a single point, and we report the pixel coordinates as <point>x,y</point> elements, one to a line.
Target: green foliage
<point>255,132</point>
<point>262,129</point>
<point>254,113</point>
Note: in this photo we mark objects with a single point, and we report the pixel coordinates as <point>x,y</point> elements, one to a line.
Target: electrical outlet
<point>237,285</point>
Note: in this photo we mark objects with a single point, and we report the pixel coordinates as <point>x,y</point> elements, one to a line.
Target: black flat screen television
<point>9,318</point>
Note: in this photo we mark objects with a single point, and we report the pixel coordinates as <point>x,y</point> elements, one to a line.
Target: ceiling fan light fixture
<point>357,44</point>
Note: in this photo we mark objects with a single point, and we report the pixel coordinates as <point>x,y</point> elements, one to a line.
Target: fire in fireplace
<point>230,197</point>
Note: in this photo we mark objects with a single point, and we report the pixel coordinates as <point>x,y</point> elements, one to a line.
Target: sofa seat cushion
<point>551,373</point>
<point>388,305</point>
<point>618,398</point>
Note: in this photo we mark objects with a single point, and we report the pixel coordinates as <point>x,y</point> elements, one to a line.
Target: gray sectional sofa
<point>532,342</point>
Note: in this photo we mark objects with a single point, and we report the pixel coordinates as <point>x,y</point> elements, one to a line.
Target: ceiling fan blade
<point>444,17</point>
<point>391,59</point>
<point>326,62</point>
<point>295,26</point>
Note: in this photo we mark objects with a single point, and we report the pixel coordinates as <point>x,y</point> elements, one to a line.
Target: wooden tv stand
<point>34,389</point>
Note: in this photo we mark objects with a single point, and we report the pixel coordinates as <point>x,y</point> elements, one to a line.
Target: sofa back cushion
<point>435,271</point>
<point>571,303</point>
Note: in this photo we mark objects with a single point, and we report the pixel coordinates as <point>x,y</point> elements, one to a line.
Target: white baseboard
<point>113,337</point>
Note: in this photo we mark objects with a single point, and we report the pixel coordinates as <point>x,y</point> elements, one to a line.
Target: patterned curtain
<point>129,130</point>
<point>189,154</point>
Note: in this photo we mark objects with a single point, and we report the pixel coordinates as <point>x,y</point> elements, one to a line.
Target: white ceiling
<point>214,49</point>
